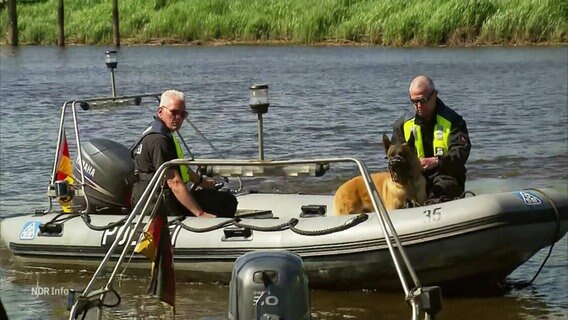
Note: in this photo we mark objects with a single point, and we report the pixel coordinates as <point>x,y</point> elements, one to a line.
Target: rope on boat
<point>283,226</point>
<point>87,219</point>
<point>348,224</point>
<point>446,198</point>
<point>200,230</point>
<point>524,284</point>
<point>291,224</point>
<point>67,217</point>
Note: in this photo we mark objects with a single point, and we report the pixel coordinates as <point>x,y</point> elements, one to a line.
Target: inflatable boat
<point>478,240</point>
<point>475,241</point>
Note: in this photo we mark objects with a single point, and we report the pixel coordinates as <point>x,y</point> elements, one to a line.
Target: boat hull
<point>473,241</point>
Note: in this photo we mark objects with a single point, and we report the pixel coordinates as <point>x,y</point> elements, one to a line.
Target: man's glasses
<point>175,113</point>
<point>423,100</point>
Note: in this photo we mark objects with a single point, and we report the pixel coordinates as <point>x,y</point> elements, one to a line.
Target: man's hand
<point>203,214</point>
<point>429,163</point>
<point>207,183</point>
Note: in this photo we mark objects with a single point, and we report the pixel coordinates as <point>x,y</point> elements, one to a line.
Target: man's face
<point>173,115</point>
<point>424,101</point>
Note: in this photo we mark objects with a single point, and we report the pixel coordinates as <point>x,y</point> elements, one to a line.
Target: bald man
<point>441,139</point>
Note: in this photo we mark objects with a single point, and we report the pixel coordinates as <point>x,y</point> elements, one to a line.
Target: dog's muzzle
<point>393,164</point>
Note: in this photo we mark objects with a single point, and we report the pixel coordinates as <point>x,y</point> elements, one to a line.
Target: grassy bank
<point>386,22</point>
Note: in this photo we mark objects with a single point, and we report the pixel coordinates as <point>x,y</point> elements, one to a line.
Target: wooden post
<point>12,23</point>
<point>60,24</point>
<point>116,32</point>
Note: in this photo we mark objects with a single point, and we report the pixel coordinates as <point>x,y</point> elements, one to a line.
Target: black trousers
<point>220,203</point>
<point>445,187</point>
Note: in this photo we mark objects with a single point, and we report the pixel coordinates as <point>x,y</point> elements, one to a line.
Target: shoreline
<point>172,42</point>
<point>355,23</point>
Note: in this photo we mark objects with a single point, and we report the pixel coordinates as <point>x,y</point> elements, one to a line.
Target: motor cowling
<point>269,285</point>
<point>109,175</point>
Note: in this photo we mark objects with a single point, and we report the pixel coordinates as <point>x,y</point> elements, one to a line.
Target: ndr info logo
<point>49,291</point>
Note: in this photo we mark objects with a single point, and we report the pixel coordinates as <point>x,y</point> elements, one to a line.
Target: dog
<point>403,183</point>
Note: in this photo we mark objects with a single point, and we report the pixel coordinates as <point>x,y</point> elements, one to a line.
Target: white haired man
<point>157,145</point>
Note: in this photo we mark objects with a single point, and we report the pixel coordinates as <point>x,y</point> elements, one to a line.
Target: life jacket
<point>440,141</point>
<point>158,127</point>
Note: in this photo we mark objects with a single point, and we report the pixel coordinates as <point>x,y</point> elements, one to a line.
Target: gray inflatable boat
<point>478,240</point>
<point>475,241</point>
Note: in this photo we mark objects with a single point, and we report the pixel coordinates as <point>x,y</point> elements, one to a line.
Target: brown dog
<point>404,182</point>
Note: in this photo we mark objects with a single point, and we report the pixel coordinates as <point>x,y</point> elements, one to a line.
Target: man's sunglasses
<point>175,113</point>
<point>423,100</point>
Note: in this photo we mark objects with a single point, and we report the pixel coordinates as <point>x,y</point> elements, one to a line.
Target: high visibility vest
<point>183,169</point>
<point>441,136</point>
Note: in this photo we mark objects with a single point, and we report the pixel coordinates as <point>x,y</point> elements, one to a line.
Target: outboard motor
<point>109,174</point>
<point>269,285</point>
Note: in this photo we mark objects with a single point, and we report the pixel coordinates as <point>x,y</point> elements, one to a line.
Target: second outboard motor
<point>109,174</point>
<point>269,285</point>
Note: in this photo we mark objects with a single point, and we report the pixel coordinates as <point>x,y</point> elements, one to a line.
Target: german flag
<point>65,171</point>
<point>155,243</point>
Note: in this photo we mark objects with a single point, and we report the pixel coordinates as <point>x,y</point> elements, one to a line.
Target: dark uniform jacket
<point>453,162</point>
<point>154,147</point>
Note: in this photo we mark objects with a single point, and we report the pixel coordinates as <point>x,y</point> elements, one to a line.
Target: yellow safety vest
<point>441,136</point>
<point>183,169</point>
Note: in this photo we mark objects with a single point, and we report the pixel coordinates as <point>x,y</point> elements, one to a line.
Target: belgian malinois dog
<point>403,183</point>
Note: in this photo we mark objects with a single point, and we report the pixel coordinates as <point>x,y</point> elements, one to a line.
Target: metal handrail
<point>84,103</point>
<point>384,220</point>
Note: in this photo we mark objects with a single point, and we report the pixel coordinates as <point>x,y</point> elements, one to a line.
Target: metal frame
<point>399,257</point>
<point>92,102</point>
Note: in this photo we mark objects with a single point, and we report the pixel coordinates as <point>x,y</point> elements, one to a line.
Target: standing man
<point>157,145</point>
<point>441,139</point>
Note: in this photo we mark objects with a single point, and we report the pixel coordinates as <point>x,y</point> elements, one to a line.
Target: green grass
<point>388,22</point>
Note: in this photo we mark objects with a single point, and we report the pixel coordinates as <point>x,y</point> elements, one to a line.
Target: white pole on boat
<point>79,152</point>
<point>143,202</point>
<point>260,138</point>
<point>382,217</point>
<point>57,152</point>
<point>384,221</point>
<point>111,62</point>
<point>259,102</point>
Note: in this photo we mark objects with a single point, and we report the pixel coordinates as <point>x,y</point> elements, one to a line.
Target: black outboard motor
<point>269,285</point>
<point>109,174</point>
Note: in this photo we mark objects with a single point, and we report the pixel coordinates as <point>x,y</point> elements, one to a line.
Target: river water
<point>324,102</point>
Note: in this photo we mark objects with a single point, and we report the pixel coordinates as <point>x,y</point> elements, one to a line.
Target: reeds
<point>387,22</point>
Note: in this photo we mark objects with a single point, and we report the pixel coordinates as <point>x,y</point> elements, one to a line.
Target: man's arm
<point>183,195</point>
<point>458,149</point>
<point>203,182</point>
<point>163,150</point>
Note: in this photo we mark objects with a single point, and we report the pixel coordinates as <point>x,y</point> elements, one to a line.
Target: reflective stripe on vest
<point>441,136</point>
<point>183,169</point>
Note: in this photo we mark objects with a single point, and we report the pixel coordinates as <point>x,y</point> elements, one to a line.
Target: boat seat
<point>254,214</point>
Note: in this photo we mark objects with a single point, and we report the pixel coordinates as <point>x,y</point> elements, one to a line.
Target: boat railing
<point>85,104</point>
<point>415,294</point>
<point>71,106</point>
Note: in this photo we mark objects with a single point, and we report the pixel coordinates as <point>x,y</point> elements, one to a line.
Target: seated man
<point>441,139</point>
<point>157,145</point>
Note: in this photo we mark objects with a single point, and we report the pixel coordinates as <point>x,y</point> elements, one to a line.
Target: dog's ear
<point>386,143</point>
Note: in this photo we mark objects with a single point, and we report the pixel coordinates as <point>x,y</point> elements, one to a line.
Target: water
<point>324,102</point>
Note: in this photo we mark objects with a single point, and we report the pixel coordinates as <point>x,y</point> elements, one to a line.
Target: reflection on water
<point>324,102</point>
<point>545,299</point>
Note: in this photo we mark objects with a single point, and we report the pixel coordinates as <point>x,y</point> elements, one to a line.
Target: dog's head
<point>402,160</point>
